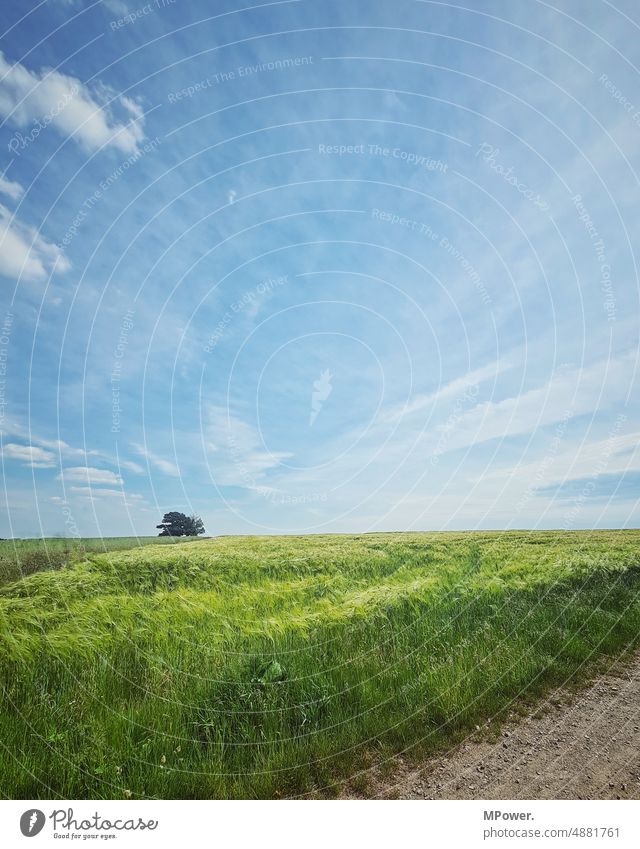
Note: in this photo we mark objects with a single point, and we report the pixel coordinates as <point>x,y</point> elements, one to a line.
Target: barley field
<point>263,667</point>
<point>20,557</point>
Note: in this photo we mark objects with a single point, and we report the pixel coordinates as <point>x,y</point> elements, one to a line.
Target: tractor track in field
<point>573,745</point>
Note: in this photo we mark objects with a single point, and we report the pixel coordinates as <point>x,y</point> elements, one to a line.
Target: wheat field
<point>261,667</point>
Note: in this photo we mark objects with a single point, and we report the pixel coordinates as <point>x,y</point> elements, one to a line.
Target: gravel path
<point>573,746</point>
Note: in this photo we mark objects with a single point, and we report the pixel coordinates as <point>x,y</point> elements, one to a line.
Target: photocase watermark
<point>443,242</point>
<point>32,822</point>
<point>277,497</point>
<point>463,402</point>
<point>238,73</point>
<point>5,338</point>
<point>141,12</point>
<point>71,528</point>
<point>418,160</point>
<point>250,298</point>
<point>617,94</point>
<point>65,824</point>
<point>490,156</point>
<point>19,142</point>
<point>322,388</point>
<point>104,186</point>
<point>116,370</point>
<point>606,286</point>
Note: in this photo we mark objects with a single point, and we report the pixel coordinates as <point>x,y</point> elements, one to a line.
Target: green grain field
<point>21,557</point>
<point>282,666</point>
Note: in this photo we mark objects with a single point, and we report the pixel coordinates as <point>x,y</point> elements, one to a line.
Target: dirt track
<point>573,746</point>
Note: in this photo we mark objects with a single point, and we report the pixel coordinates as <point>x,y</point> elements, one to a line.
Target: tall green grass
<point>262,667</point>
<point>21,557</point>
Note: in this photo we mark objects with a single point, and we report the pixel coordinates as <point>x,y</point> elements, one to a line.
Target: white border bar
<point>326,825</point>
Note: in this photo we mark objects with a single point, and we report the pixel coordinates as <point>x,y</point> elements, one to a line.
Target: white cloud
<point>380,477</point>
<point>91,476</point>
<point>34,100</point>
<point>15,429</point>
<point>614,455</point>
<point>24,252</point>
<point>116,6</point>
<point>159,462</point>
<point>10,188</point>
<point>90,492</point>
<point>131,466</point>
<point>459,386</point>
<point>30,455</point>
<point>237,454</point>
<point>132,106</point>
<point>64,448</point>
<point>575,390</point>
<point>66,451</point>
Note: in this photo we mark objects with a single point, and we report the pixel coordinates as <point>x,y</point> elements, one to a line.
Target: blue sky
<point>311,267</point>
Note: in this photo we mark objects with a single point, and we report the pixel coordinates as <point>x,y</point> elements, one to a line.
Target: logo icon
<point>321,390</point>
<point>32,822</point>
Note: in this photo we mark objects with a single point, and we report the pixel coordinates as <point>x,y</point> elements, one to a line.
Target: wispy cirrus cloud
<point>237,456</point>
<point>91,492</point>
<point>622,485</point>
<point>614,455</point>
<point>130,466</point>
<point>579,390</point>
<point>457,386</point>
<point>164,466</point>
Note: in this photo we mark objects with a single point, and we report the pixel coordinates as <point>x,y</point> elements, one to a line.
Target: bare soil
<point>583,745</point>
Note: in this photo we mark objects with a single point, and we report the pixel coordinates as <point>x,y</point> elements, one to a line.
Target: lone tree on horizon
<point>176,524</point>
